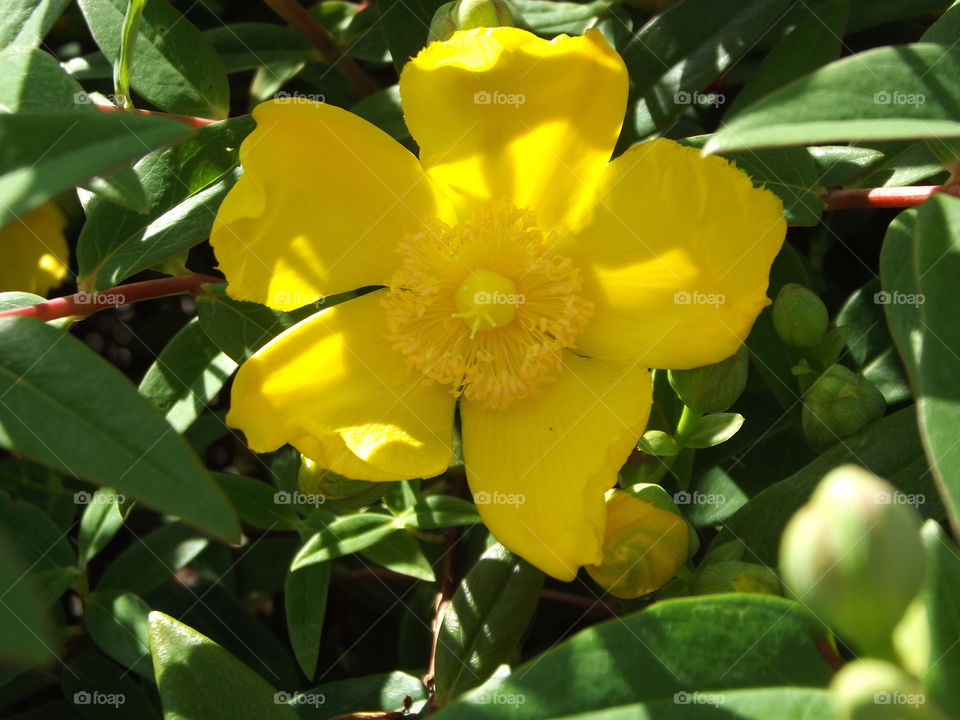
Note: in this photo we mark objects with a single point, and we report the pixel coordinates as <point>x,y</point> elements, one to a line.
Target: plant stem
<point>297,17</point>
<point>195,122</point>
<point>885,197</point>
<point>83,304</point>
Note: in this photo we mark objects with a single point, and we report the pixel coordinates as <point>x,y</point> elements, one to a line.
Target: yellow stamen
<point>486,297</point>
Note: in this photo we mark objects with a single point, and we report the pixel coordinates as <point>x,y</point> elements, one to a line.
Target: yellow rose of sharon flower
<point>523,275</point>
<point>35,254</point>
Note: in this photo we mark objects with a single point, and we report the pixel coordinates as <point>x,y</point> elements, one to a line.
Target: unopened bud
<point>314,480</point>
<point>839,405</point>
<point>647,541</point>
<point>712,388</point>
<point>876,690</point>
<point>469,14</point>
<point>799,316</point>
<point>854,557</point>
<point>736,576</point>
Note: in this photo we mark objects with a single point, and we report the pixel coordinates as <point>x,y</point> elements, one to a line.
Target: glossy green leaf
<point>36,539</point>
<point>866,14</point>
<point>199,679</point>
<point>42,154</point>
<point>889,93</point>
<point>485,620</point>
<point>258,504</point>
<point>550,17</point>
<point>100,429</point>
<point>836,164</point>
<point>371,693</point>
<point>402,553</point>
<point>680,51</point>
<point>305,602</point>
<point>117,622</point>
<point>100,522</point>
<point>98,690</point>
<point>405,24</point>
<point>174,67</point>
<point>186,375</point>
<point>742,642</point>
<point>940,597</point>
<point>248,46</point>
<point>26,22</point>
<point>714,429</point>
<point>152,559</point>
<point>383,109</point>
<point>184,187</point>
<point>26,631</point>
<point>345,535</point>
<point>936,339</point>
<point>439,511</point>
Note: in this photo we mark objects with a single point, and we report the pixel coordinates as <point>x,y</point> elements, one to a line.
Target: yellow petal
<point>35,253</point>
<point>332,387</point>
<point>539,469</point>
<point>501,114</point>
<point>676,257</point>
<point>324,201</point>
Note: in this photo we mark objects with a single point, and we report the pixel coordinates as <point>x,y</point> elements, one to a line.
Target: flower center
<point>486,300</point>
<point>485,306</point>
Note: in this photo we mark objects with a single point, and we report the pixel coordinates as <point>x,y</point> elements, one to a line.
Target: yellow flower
<point>523,275</point>
<point>35,251</point>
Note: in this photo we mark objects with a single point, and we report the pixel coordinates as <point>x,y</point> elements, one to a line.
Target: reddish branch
<point>885,197</point>
<point>195,122</point>
<point>83,304</point>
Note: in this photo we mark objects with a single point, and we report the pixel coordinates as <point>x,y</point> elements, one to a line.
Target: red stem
<point>885,197</point>
<point>195,122</point>
<point>83,304</point>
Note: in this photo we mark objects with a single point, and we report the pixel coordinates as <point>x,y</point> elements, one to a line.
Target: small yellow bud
<point>316,481</point>
<point>35,251</point>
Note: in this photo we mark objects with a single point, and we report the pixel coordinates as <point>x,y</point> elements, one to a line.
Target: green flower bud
<point>313,480</point>
<point>736,576</point>
<point>799,316</point>
<point>712,388</point>
<point>467,14</point>
<point>647,541</point>
<point>877,690</point>
<point>839,404</point>
<point>854,557</point>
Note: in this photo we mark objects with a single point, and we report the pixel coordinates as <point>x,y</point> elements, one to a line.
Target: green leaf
<point>184,187</point>
<point>946,29</point>
<point>36,539</point>
<point>42,154</point>
<point>305,602</point>
<point>98,690</point>
<point>101,520</point>
<point>401,553</point>
<point>889,93</point>
<point>153,559</point>
<point>898,281</point>
<point>375,693</point>
<point>187,374</point>
<point>130,29</point>
<point>383,109</point>
<point>551,17</point>
<point>657,442</point>
<point>485,621</point>
<point>257,503</point>
<point>680,51</point>
<point>199,679</point>
<point>26,631</point>
<point>940,597</point>
<point>405,24</point>
<point>871,13</point>
<point>664,655</point>
<point>836,164</point>
<point>889,448</point>
<point>936,339</point>
<point>249,46</point>
<point>26,22</point>
<point>814,41</point>
<point>714,429</point>
<point>345,535</point>
<point>440,511</point>
<point>174,67</point>
<point>240,328</point>
<point>117,622</point>
<point>100,429</point>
